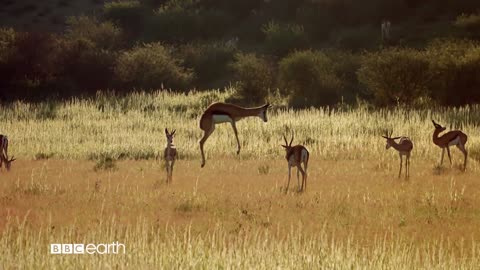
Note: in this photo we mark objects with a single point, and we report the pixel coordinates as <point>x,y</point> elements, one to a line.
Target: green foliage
<point>282,39</point>
<point>209,61</point>
<point>84,67</point>
<point>309,78</point>
<point>129,14</point>
<point>470,23</point>
<point>254,76</point>
<point>180,21</point>
<point>396,75</point>
<point>151,66</point>
<point>456,68</point>
<point>104,35</point>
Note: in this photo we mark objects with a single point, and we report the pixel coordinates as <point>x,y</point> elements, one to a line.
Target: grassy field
<point>356,214</point>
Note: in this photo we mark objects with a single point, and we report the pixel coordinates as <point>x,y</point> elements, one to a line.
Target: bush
<point>282,39</point>
<point>29,64</point>
<point>151,66</point>
<point>309,78</point>
<point>456,68</point>
<point>104,35</point>
<point>180,22</point>
<point>396,76</point>
<point>254,76</point>
<point>210,62</point>
<point>129,14</point>
<point>470,23</point>
<point>84,68</point>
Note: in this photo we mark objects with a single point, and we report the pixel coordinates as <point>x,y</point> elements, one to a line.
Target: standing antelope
<point>222,113</point>
<point>404,148</point>
<point>296,155</point>
<point>4,153</point>
<point>170,154</point>
<point>454,137</point>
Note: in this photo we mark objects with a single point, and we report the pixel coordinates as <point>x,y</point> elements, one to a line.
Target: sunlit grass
<point>91,171</point>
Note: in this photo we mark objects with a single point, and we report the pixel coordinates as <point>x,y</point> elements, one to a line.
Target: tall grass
<point>131,127</point>
<point>150,247</point>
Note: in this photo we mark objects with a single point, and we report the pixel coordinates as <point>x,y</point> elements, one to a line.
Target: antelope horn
<point>285,139</point>
<point>290,144</point>
<point>173,132</point>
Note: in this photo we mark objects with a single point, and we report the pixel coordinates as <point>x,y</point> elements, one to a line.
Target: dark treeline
<point>316,52</point>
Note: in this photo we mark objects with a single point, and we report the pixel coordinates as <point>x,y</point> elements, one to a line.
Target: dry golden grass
<point>356,214</point>
<point>235,214</point>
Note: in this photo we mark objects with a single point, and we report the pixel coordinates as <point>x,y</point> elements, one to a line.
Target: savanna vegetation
<point>91,171</point>
<point>85,99</point>
<point>313,53</point>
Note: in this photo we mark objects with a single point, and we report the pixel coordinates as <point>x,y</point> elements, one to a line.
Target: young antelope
<point>170,154</point>
<point>296,155</point>
<point>404,148</point>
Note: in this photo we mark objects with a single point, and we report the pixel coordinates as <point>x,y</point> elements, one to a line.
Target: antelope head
<point>438,127</point>
<point>390,140</point>
<point>170,136</point>
<point>287,145</point>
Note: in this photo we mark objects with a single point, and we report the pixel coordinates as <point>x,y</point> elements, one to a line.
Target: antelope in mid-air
<point>404,148</point>
<point>4,153</point>
<point>170,154</point>
<point>454,137</point>
<point>227,113</point>
<point>296,155</point>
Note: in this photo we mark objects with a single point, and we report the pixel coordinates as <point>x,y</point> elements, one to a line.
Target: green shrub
<point>396,76</point>
<point>129,14</point>
<point>104,35</point>
<point>253,75</point>
<point>181,22</point>
<point>469,22</point>
<point>309,78</point>
<point>282,39</point>
<point>151,66</point>
<point>210,62</point>
<point>456,68</point>
<point>364,37</point>
<point>83,68</point>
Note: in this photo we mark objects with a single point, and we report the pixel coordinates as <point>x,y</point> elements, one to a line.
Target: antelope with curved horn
<point>227,113</point>
<point>404,148</point>
<point>296,155</point>
<point>454,137</point>
<point>170,154</point>
<point>4,153</point>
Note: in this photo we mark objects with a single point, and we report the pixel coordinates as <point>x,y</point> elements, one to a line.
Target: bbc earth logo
<point>113,248</point>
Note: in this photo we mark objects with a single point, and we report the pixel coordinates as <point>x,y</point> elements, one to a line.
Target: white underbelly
<point>455,141</point>
<point>221,118</point>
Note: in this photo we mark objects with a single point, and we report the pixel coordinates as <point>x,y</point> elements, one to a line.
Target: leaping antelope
<point>404,148</point>
<point>454,137</point>
<point>4,153</point>
<point>170,154</point>
<point>227,113</point>
<point>296,155</point>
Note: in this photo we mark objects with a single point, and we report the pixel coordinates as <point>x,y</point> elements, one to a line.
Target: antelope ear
<point>396,138</point>
<point>13,159</point>
<point>166,131</point>
<point>385,137</point>
<point>284,146</point>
